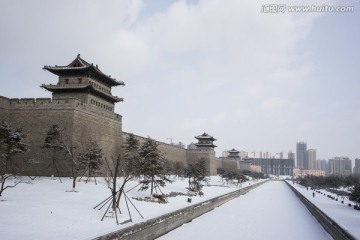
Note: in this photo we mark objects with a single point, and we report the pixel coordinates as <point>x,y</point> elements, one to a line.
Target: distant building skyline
<point>323,165</point>
<point>311,159</point>
<point>340,166</point>
<point>301,155</point>
<point>356,169</point>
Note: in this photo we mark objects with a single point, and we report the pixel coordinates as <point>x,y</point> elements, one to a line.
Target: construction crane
<point>254,152</point>
<point>171,139</point>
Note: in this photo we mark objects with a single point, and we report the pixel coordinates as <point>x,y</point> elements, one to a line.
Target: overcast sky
<point>253,80</point>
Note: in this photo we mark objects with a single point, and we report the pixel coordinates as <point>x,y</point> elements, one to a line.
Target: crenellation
<point>14,100</point>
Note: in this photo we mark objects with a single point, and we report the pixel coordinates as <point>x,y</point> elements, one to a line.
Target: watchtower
<point>84,81</point>
<point>205,141</point>
<point>82,105</point>
<point>234,154</point>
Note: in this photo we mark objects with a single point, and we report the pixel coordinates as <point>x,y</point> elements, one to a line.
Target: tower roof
<point>80,67</point>
<point>205,140</point>
<point>233,151</point>
<point>205,136</point>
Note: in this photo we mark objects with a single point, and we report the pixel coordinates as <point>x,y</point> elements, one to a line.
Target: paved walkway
<point>271,211</point>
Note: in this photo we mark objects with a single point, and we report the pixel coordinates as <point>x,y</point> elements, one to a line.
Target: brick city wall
<point>79,121</point>
<point>184,156</point>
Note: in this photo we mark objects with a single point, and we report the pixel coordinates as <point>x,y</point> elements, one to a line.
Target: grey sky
<point>253,80</point>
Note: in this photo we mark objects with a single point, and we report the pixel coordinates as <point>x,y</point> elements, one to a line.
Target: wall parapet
<point>158,142</point>
<point>44,103</point>
<point>161,225</point>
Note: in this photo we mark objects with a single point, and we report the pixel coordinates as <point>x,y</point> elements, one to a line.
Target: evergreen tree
<point>179,169</point>
<point>152,167</point>
<point>355,194</point>
<point>53,140</point>
<point>91,158</point>
<point>130,166</point>
<point>11,143</point>
<point>196,174</point>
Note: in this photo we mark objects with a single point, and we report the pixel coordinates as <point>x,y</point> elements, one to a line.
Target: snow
<point>271,211</point>
<point>347,217</point>
<point>45,209</point>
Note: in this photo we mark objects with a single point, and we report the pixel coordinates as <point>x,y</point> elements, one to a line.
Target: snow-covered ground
<point>45,209</point>
<point>271,211</point>
<point>347,217</point>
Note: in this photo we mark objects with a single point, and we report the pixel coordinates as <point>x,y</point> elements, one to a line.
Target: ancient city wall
<point>171,153</point>
<point>79,121</point>
<point>185,156</point>
<point>208,155</point>
<point>230,164</point>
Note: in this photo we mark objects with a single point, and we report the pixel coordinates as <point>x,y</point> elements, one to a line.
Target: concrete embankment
<point>159,226</point>
<point>334,229</point>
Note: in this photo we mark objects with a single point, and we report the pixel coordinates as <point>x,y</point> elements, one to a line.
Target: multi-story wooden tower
<point>84,81</point>
<point>234,154</point>
<point>205,141</point>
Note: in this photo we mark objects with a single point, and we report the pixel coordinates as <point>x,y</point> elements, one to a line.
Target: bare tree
<point>58,140</point>
<point>113,169</point>
<point>113,172</point>
<point>4,178</point>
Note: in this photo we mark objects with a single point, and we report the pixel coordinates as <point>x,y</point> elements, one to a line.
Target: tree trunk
<point>74,183</point>
<point>113,203</point>
<point>120,192</point>
<point>152,185</point>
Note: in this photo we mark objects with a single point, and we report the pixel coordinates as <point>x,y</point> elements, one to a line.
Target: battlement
<point>43,102</point>
<point>143,139</point>
<point>48,103</point>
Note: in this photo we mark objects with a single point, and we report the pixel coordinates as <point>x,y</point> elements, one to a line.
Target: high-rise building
<point>357,166</point>
<point>340,166</point>
<point>291,155</point>
<point>243,154</point>
<point>301,155</point>
<point>323,165</point>
<point>311,159</point>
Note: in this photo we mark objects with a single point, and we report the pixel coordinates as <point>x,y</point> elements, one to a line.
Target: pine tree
<point>196,174</point>
<point>53,140</point>
<point>11,143</point>
<point>91,158</point>
<point>152,167</point>
<point>355,194</point>
<point>130,165</point>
